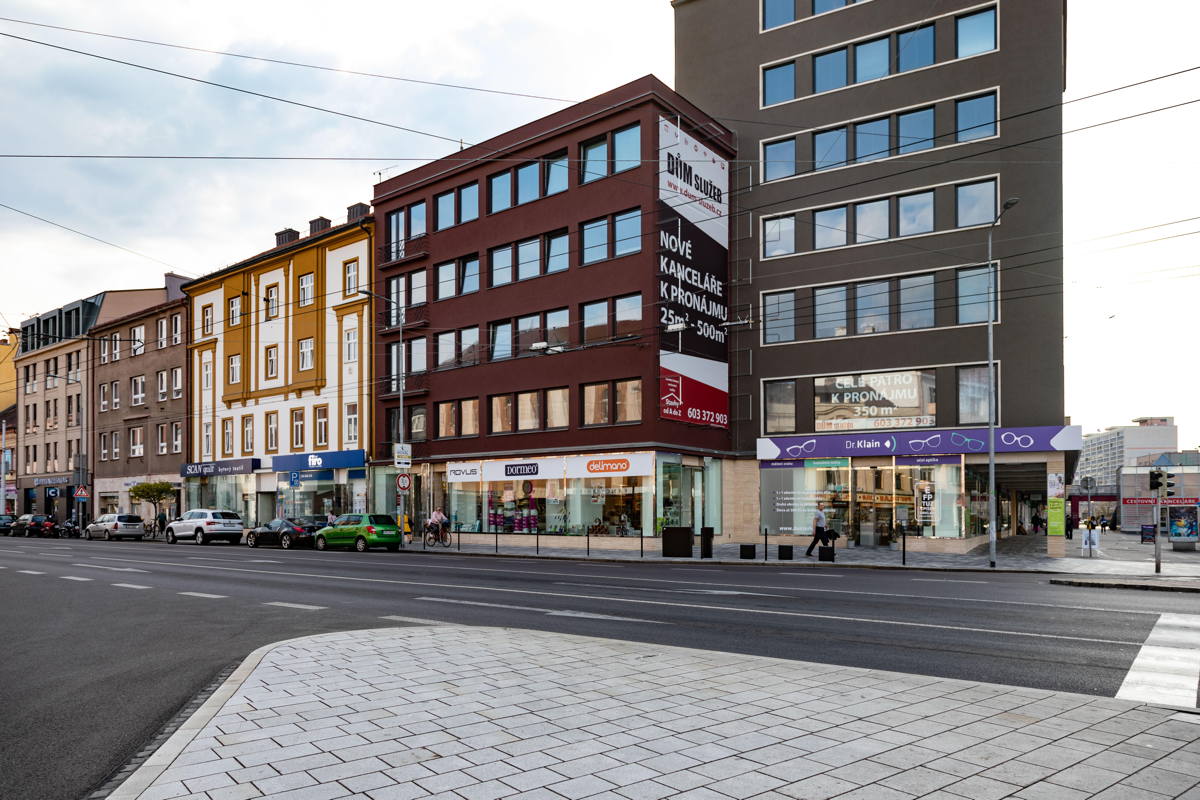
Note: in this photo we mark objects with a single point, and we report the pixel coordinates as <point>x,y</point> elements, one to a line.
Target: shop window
<point>779,402</point>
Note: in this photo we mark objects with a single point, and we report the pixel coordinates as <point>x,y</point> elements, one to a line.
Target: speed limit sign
<point>403,482</point>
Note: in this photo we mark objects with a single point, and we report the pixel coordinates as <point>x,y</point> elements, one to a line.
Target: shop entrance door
<point>874,499</point>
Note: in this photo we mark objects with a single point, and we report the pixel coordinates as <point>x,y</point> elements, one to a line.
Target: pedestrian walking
<point>329,519</point>
<point>1070,526</point>
<point>819,524</point>
<point>160,523</point>
<point>1090,536</point>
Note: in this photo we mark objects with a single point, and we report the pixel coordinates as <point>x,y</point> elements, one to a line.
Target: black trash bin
<point>677,542</point>
<point>747,550</point>
<point>785,552</point>
<point>706,542</point>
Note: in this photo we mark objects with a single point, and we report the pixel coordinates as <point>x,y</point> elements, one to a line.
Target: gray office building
<point>878,143</point>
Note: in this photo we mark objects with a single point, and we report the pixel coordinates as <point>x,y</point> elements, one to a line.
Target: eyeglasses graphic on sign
<point>917,445</point>
<point>797,450</point>
<point>958,440</point>
<point>1010,438</point>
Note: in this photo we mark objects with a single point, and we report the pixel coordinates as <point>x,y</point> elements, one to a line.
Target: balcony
<point>392,254</point>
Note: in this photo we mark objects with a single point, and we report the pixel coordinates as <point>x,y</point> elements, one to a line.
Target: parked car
<point>34,525</point>
<point>360,531</point>
<point>6,521</point>
<point>116,526</point>
<point>204,525</point>
<point>287,533</point>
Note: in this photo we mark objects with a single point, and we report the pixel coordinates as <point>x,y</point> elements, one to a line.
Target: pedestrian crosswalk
<point>1167,668</point>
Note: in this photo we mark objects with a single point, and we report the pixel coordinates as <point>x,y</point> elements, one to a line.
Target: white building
<point>1106,452</point>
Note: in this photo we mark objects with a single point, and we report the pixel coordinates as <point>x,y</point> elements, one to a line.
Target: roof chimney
<point>285,236</point>
<point>357,211</point>
<point>317,225</point>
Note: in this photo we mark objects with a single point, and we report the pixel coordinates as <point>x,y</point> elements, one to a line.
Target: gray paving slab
<point>659,724</point>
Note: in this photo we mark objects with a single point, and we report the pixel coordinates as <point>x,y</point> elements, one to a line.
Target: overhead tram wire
<point>90,236</point>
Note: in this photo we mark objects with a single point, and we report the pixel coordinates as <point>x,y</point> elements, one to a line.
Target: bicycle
<point>435,534</point>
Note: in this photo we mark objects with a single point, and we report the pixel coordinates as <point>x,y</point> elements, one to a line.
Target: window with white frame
<point>162,438</point>
<point>350,279</point>
<point>321,426</point>
<point>306,289</point>
<point>298,429</point>
<point>176,437</point>
<point>206,375</point>
<point>206,439</point>
<point>177,382</point>
<point>137,340</point>
<point>161,332</point>
<point>103,398</point>
<point>272,430</point>
<point>161,383</point>
<point>350,354</point>
<point>115,350</point>
<point>235,311</point>
<point>115,389</point>
<point>235,369</point>
<point>176,329</point>
<point>247,434</point>
<point>351,423</point>
<point>116,445</point>
<point>137,390</point>
<point>103,358</point>
<point>104,447</point>
<point>206,320</point>
<point>272,361</point>
<point>306,353</point>
<point>272,301</point>
<point>227,437</point>
<point>136,442</point>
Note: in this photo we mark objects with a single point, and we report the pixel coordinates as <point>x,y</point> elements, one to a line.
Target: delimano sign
<point>607,465</point>
<point>598,466</point>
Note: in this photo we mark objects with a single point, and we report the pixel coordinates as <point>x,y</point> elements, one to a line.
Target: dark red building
<point>552,307</point>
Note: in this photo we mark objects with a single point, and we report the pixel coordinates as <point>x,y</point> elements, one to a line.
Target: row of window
<point>781,12</point>
<point>600,239</point>
<point>915,393</point>
<point>605,155</point>
<point>878,57</point>
<point>110,346</point>
<point>32,466</point>
<point>320,432</point>
<point>878,220</point>
<point>110,393</point>
<point>305,296</point>
<point>74,414</point>
<point>870,140</point>
<point>170,437</point>
<point>616,402</point>
<point>876,306</point>
<point>50,373</point>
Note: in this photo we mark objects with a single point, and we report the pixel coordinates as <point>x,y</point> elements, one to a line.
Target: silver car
<point>116,526</point>
<point>204,525</point>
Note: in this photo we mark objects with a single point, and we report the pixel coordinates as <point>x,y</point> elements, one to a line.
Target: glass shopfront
<point>319,493</point>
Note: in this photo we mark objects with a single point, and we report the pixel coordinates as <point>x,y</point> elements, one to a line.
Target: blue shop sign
<point>308,475</point>
<point>337,459</point>
<point>205,469</point>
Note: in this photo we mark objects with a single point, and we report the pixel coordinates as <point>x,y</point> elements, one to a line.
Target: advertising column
<point>693,256</point>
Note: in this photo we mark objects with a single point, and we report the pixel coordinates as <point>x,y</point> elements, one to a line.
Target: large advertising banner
<point>693,273</point>
<point>1056,517</point>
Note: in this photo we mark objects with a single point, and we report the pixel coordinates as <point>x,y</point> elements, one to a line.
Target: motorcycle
<point>67,530</point>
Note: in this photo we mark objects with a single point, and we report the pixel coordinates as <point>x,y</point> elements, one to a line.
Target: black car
<point>287,533</point>
<point>6,521</point>
<point>34,525</point>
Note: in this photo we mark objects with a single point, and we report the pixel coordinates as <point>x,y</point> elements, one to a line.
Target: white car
<point>116,526</point>
<point>204,525</point>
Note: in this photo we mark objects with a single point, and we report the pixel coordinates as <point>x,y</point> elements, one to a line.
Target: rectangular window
<point>829,312</point>
<point>103,406</point>
<point>829,71</point>
<point>272,301</point>
<point>176,382</point>
<point>529,259</point>
<point>272,361</point>
<point>468,346</point>
<point>416,288</point>
<point>500,336</point>
<point>502,266</point>
<point>595,241</point>
<point>872,221</point>
<point>395,234</point>
<point>975,117</point>
<point>227,437</point>
<point>443,211</point>
<point>447,280</point>
<point>395,366</point>
<point>235,369</point>
<point>447,419</point>
<point>779,159</point>
<point>558,332</point>
<point>975,203</point>
<point>779,317</point>
<point>235,311</point>
<point>596,403</point>
<point>447,349</point>
<point>829,228</point>
<point>306,354</point>
<point>916,302</point>
<point>821,6</point>
<point>627,148</point>
<point>556,172</point>
<point>915,131</point>
<point>395,301</point>
<point>976,33</point>
<point>529,412</point>
<point>779,399</point>
<point>595,322</point>
<point>558,246</point>
<point>116,446</point>
<point>529,330</point>
<point>272,418</point>
<point>206,320</point>
<point>627,232</point>
<point>176,329</point>
<point>321,426</point>
<point>973,295</point>
<point>350,278</point>
<point>876,400</point>
<point>206,375</point>
<point>627,315</point>
<point>162,439</point>
<point>416,220</point>
<point>872,140</point>
<point>872,60</point>
<point>499,192</point>
<point>416,423</point>
<point>417,355</point>
<point>628,396</point>
<point>594,160</point>
<point>558,408</point>
<point>779,83</point>
<point>468,275</point>
<point>502,414</point>
<point>137,392</point>
<point>829,149</point>
<point>247,434</point>
<point>779,236</point>
<point>915,48</point>
<point>778,12</point>
<point>115,390</point>
<point>161,331</point>
<point>915,213</point>
<point>872,307</point>
<point>103,360</point>
<point>306,289</point>
<point>116,347</point>
<point>527,183</point>
<point>972,395</point>
<point>468,202</point>
<point>350,346</point>
<point>298,429</point>
<point>468,417</point>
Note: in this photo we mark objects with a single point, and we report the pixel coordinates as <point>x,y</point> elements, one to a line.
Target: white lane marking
<point>114,569</point>
<point>235,560</point>
<point>205,594</point>
<point>696,569</point>
<point>1167,668</point>
<point>549,612</point>
<point>30,572</point>
<point>300,606</point>
<point>810,574</point>
<point>943,580</point>
<point>417,620</point>
<point>820,590</point>
<point>56,555</point>
<point>73,578</point>
<point>669,591</point>
<point>130,586</point>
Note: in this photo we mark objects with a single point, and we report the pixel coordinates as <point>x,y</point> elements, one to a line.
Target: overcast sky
<point>197,216</point>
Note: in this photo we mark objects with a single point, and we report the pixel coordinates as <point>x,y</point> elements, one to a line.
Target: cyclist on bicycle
<point>438,529</point>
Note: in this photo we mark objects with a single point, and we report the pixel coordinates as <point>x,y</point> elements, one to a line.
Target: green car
<point>360,531</point>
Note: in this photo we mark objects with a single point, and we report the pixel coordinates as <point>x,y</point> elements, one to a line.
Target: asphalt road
<point>92,668</point>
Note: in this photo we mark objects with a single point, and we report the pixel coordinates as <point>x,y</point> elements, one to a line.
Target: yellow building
<point>9,344</point>
<point>279,377</point>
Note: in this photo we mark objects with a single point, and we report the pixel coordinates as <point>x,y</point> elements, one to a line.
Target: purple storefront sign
<point>927,461</point>
<point>908,443</point>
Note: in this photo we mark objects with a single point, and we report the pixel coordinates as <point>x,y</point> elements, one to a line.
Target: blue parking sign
<point>293,479</point>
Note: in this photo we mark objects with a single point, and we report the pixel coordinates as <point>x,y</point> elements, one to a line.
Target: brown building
<point>526,287</point>
<point>139,414</point>
<point>879,142</point>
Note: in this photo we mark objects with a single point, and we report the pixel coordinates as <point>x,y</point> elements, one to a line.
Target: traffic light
<point>1156,480</point>
<point>1167,484</point>
<point>1161,483</point>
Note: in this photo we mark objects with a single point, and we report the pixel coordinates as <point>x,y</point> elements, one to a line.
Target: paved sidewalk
<point>463,713</point>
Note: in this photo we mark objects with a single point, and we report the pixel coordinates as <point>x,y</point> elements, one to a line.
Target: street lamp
<point>991,366</point>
